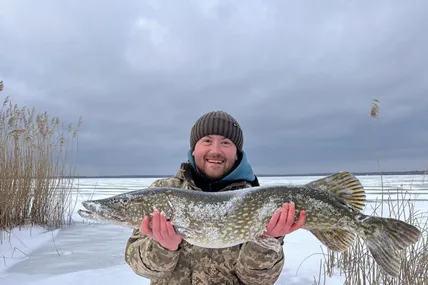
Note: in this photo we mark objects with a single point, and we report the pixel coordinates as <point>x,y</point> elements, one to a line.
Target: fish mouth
<point>95,211</point>
<point>86,212</point>
<point>90,211</point>
<point>88,215</point>
<point>90,205</point>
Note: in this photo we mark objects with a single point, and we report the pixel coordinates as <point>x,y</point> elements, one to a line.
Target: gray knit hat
<point>217,123</point>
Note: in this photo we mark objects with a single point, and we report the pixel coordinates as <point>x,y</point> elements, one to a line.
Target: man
<point>216,162</point>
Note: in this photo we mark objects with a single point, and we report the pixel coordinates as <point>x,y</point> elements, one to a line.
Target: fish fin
<point>268,242</point>
<point>385,237</point>
<point>346,186</point>
<point>336,240</point>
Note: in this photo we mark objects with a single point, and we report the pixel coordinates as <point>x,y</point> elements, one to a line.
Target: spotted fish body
<point>222,219</point>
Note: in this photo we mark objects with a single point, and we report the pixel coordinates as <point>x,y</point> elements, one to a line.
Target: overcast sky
<point>299,76</point>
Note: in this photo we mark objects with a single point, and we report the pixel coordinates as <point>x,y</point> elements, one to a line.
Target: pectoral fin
<point>268,242</point>
<point>336,240</point>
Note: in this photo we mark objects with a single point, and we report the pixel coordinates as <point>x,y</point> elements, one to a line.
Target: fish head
<point>114,210</point>
<point>126,209</point>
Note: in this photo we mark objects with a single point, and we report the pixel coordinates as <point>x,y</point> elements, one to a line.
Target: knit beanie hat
<point>217,123</point>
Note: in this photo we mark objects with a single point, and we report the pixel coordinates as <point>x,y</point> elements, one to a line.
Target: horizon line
<point>419,172</point>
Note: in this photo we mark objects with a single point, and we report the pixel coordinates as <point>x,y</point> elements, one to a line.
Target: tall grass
<point>357,266</point>
<point>374,114</point>
<point>37,165</point>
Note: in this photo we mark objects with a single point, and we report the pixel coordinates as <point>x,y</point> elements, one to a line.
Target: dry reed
<point>374,111</point>
<point>37,165</point>
<point>357,266</point>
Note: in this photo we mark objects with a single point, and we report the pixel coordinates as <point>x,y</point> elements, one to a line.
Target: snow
<point>93,253</point>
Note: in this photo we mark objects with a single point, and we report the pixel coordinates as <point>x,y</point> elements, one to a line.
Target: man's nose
<point>215,147</point>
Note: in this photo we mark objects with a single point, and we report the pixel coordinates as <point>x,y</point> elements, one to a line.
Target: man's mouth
<point>216,161</point>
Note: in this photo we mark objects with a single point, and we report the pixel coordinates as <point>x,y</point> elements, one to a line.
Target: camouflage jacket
<point>241,264</point>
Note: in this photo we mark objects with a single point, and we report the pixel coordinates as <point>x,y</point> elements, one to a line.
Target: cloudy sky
<point>299,76</point>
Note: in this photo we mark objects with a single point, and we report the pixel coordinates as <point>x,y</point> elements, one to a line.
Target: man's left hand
<point>282,221</point>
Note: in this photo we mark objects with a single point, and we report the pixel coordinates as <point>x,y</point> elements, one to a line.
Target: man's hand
<point>282,221</point>
<point>162,231</point>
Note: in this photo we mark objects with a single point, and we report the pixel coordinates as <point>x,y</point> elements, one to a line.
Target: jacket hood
<point>242,172</point>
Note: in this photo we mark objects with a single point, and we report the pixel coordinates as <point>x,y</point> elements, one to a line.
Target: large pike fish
<point>334,206</point>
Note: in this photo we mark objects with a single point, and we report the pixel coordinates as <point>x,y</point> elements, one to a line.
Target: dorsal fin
<point>346,186</point>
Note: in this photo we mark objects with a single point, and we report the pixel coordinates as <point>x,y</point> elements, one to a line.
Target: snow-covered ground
<point>87,253</point>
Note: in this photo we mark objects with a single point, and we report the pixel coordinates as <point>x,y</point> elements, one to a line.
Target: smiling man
<point>216,162</point>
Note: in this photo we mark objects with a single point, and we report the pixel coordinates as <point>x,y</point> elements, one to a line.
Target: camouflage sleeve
<point>146,256</point>
<point>258,265</point>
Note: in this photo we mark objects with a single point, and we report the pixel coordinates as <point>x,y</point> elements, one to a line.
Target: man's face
<point>215,156</point>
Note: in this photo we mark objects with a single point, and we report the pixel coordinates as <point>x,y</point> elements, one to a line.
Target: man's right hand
<point>162,231</point>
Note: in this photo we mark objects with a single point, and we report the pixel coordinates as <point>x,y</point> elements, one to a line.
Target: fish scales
<point>333,205</point>
<point>219,220</point>
<point>235,216</point>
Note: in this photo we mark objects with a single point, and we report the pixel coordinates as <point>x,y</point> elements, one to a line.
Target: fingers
<point>286,213</point>
<point>300,222</point>
<point>145,226</point>
<point>290,214</point>
<point>273,221</point>
<point>156,228</point>
<point>170,229</point>
<point>283,221</point>
<point>163,229</point>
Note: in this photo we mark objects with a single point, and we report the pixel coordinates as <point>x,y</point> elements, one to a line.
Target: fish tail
<point>385,237</point>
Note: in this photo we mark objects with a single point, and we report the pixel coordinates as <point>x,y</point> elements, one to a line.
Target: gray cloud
<point>300,79</point>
